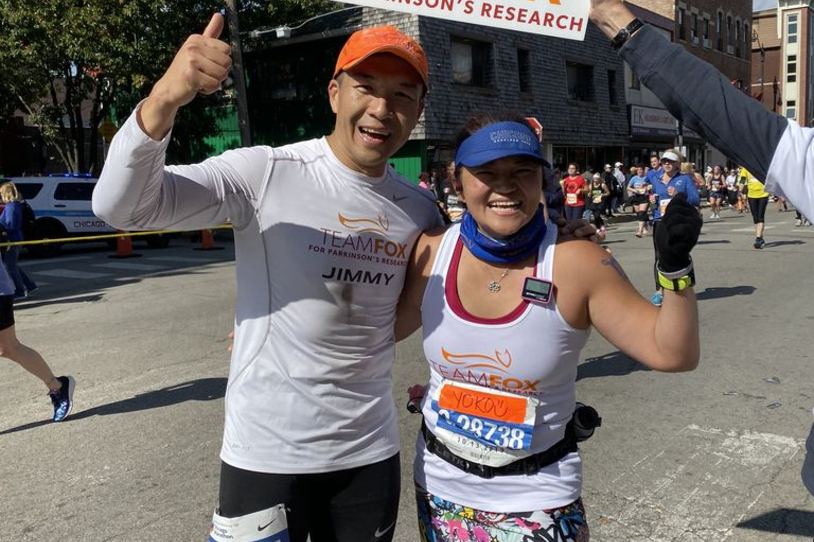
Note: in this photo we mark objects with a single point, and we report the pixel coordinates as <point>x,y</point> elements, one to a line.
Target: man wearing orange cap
<point>323,232</point>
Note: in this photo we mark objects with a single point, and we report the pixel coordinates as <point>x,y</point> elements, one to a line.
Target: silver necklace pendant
<point>494,285</point>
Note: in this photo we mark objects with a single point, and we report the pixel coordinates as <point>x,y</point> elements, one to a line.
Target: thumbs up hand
<point>200,66</point>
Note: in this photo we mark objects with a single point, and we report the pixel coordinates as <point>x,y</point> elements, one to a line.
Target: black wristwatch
<point>624,34</point>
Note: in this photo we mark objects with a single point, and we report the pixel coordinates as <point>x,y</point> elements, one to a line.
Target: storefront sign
<point>649,121</point>
<point>558,18</point>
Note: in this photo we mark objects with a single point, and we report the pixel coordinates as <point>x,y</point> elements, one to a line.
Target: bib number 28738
<point>489,417</point>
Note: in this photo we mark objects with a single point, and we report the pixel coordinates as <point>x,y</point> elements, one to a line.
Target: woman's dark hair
<point>485,119</point>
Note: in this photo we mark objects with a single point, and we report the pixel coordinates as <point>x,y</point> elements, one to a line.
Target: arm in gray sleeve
<point>136,191</point>
<point>698,94</point>
<point>774,149</point>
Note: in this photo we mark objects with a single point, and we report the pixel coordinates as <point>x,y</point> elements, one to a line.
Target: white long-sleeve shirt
<point>321,256</point>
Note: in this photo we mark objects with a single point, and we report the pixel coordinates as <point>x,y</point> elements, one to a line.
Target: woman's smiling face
<point>503,195</point>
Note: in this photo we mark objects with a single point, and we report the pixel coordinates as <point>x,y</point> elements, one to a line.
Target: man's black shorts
<point>353,505</point>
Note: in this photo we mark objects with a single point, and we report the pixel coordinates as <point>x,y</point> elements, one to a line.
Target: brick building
<point>767,79</point>
<point>717,31</point>
<point>575,89</point>
<point>782,57</point>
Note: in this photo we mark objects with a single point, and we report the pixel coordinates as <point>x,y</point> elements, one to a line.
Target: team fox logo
<point>501,362</point>
<point>366,225</point>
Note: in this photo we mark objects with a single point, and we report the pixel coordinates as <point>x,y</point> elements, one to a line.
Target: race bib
<point>484,425</point>
<point>663,203</point>
<point>571,199</point>
<point>597,199</point>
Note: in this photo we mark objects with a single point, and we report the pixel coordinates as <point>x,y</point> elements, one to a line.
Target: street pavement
<point>710,455</point>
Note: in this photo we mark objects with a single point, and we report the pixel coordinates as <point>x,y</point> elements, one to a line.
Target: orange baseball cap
<point>382,39</point>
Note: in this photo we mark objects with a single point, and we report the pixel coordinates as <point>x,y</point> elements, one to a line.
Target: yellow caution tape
<point>106,236</point>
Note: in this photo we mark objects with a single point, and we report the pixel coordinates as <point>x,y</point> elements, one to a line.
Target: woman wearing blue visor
<point>506,308</point>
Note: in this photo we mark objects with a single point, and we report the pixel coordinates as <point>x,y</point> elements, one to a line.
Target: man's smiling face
<point>377,104</point>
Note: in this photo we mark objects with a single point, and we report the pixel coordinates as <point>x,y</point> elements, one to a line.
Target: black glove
<point>677,234</point>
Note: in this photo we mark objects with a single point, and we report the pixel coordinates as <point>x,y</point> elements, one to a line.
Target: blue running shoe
<point>62,399</point>
<point>657,299</point>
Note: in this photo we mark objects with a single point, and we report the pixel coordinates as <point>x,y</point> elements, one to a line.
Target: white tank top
<point>531,352</point>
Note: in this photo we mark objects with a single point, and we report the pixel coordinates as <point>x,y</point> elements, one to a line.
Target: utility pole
<point>238,74</point>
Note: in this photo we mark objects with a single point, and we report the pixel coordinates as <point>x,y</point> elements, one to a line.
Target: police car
<point>62,207</point>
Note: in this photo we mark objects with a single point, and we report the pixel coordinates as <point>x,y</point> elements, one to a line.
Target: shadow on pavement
<point>29,303</point>
<point>613,364</point>
<point>772,244</point>
<point>714,242</point>
<point>205,389</point>
<point>782,521</point>
<point>728,291</point>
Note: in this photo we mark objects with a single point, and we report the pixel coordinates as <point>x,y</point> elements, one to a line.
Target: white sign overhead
<point>652,121</point>
<point>558,18</point>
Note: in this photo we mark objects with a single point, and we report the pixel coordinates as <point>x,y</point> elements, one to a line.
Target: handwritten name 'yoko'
<point>507,409</point>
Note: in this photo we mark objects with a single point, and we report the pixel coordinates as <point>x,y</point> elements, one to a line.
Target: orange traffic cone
<point>208,241</point>
<point>124,248</point>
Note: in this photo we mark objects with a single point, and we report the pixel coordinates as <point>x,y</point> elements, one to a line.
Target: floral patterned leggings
<point>444,521</point>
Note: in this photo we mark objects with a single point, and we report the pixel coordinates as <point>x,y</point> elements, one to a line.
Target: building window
<point>613,97</point>
<point>694,28</point>
<point>471,62</point>
<point>580,82</point>
<point>791,29</point>
<point>738,39</point>
<point>681,25</point>
<point>729,31</point>
<point>747,38</point>
<point>524,70</point>
<point>791,69</point>
<point>634,83</point>
<point>719,31</point>
<point>706,33</point>
<point>791,109</point>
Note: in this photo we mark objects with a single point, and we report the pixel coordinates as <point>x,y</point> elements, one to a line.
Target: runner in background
<point>668,185</point>
<point>60,388</point>
<point>638,190</point>
<point>574,187</point>
<point>598,196</point>
<point>758,200</point>
<point>717,189</point>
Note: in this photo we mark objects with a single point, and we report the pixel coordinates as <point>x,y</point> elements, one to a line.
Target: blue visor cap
<point>497,141</point>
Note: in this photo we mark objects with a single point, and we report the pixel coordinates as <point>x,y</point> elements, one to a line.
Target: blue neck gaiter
<point>512,249</point>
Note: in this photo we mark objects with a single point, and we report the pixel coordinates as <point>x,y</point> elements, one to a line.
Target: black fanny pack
<point>579,428</point>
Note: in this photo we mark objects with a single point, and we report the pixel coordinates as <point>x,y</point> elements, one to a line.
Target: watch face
<point>621,38</point>
<point>624,34</point>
